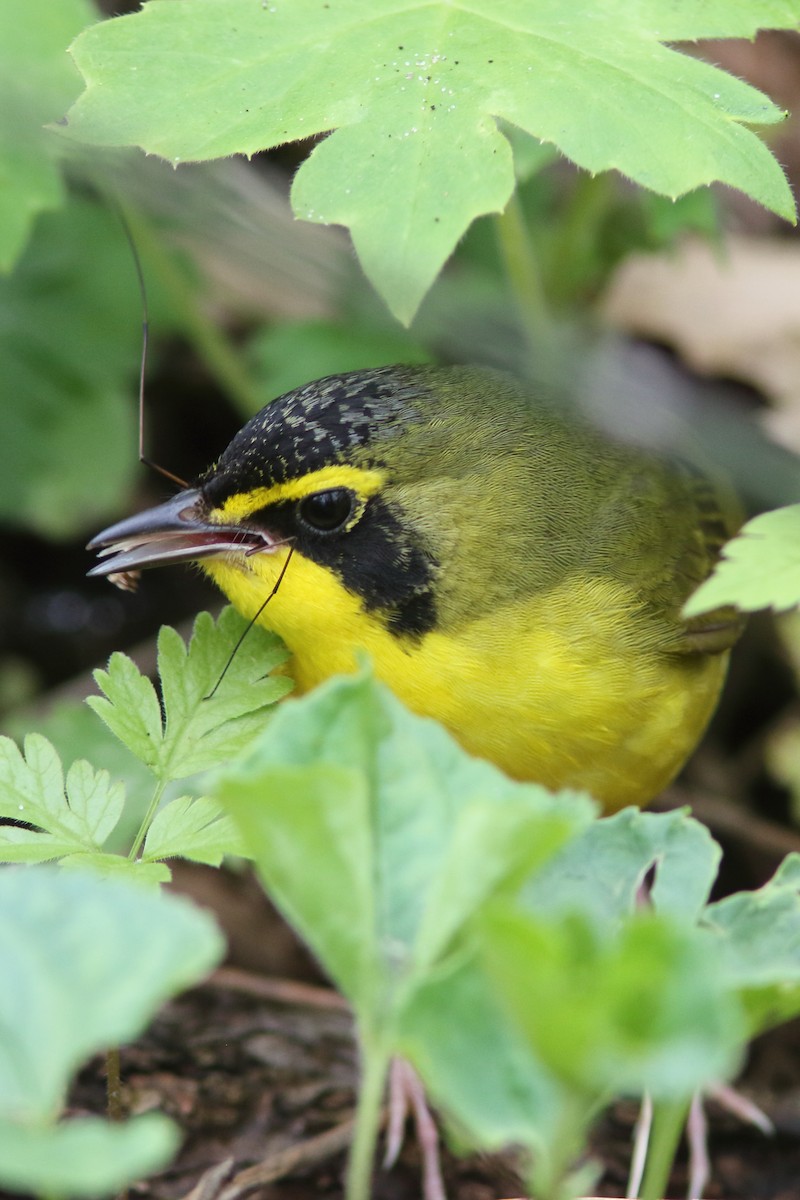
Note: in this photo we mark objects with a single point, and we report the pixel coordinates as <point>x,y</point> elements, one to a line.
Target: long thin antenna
<point>137,262</point>
<point>251,623</point>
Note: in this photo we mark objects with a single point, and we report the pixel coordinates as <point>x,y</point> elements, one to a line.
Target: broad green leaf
<point>759,569</point>
<point>599,871</point>
<point>76,814</point>
<point>86,962</point>
<point>193,829</point>
<point>85,1156</point>
<point>202,724</point>
<point>37,84</point>
<point>408,834</point>
<point>642,1008</point>
<point>307,828</point>
<point>413,94</point>
<point>70,341</point>
<point>493,1091</point>
<point>760,937</point>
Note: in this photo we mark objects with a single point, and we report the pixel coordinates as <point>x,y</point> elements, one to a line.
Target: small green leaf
<point>760,938</point>
<point>86,962</point>
<point>75,815</point>
<point>193,829</point>
<point>413,94</point>
<point>131,709</point>
<point>759,569</point>
<point>599,871</point>
<point>644,1008</point>
<point>85,1156</point>
<point>198,728</point>
<point>75,732</point>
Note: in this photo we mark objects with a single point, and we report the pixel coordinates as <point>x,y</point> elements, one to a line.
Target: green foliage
<point>71,815</point>
<point>760,937</point>
<point>70,338</point>
<point>406,844</point>
<point>195,730</point>
<point>74,817</point>
<point>409,837</point>
<point>414,847</point>
<point>37,85</point>
<point>413,96</point>
<point>601,871</point>
<point>86,963</point>
<point>490,932</point>
<point>759,569</point>
<point>642,1009</point>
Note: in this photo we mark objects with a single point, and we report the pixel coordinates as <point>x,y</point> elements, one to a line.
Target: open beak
<point>177,531</point>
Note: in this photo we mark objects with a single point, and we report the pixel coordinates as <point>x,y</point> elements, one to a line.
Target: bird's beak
<point>177,531</point>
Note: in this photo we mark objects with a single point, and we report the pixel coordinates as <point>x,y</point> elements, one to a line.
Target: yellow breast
<point>564,690</point>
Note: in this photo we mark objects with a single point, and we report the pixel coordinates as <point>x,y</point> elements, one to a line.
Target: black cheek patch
<point>382,561</point>
<point>379,559</point>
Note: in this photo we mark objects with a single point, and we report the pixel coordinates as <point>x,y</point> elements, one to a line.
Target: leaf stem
<point>375,1064</point>
<point>577,235</point>
<point>669,1118</point>
<point>523,273</point>
<point>147,821</point>
<point>211,344</point>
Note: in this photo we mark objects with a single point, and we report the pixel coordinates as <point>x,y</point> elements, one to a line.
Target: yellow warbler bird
<point>512,574</point>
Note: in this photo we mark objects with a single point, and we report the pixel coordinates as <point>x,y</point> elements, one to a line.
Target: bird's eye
<point>328,511</point>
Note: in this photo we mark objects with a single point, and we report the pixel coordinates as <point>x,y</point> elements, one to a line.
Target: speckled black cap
<point>317,424</point>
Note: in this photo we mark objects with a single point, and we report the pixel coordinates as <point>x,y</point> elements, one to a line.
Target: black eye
<point>327,511</point>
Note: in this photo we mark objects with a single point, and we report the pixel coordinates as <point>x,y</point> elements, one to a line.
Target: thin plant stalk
<point>141,833</point>
<point>375,1066</point>
<point>669,1118</point>
<point>524,276</point>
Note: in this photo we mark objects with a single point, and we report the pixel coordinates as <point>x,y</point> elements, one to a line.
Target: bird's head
<point>362,475</point>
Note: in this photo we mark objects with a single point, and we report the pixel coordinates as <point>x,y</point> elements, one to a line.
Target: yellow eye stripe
<point>365,482</point>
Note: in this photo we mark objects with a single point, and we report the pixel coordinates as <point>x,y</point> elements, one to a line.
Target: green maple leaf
<point>413,92</point>
<point>759,569</point>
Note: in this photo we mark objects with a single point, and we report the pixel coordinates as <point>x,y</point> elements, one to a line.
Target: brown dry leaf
<point>732,310</point>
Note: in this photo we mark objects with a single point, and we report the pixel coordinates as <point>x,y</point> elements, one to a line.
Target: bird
<point>510,570</point>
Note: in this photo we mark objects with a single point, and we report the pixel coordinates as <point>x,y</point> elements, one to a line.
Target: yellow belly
<point>563,691</point>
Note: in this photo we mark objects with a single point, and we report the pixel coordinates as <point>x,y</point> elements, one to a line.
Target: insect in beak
<point>177,531</point>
